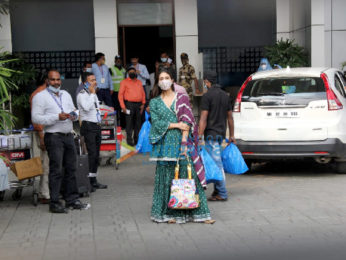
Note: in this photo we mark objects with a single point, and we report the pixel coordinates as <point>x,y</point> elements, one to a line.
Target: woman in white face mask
<point>172,126</point>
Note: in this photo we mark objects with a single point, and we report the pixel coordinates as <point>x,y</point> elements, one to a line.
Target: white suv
<point>293,113</point>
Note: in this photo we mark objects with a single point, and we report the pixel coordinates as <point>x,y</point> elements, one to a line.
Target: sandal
<point>216,198</point>
<point>210,221</point>
<point>171,221</point>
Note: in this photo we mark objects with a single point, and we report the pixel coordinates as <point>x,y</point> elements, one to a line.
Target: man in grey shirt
<point>54,109</point>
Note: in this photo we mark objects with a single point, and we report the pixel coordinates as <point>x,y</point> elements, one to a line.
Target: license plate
<point>282,114</point>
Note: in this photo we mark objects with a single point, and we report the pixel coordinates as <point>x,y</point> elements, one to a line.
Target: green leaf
<point>287,53</point>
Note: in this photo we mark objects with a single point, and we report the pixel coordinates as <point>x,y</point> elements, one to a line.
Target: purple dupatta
<point>185,114</point>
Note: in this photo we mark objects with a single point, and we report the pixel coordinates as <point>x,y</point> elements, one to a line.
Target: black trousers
<point>116,103</point>
<point>92,136</point>
<point>133,121</point>
<point>62,154</point>
<point>105,96</point>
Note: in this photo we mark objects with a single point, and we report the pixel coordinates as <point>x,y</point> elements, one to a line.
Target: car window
<point>339,86</point>
<point>299,91</point>
<point>342,78</point>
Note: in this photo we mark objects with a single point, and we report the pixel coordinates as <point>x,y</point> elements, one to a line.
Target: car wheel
<point>341,167</point>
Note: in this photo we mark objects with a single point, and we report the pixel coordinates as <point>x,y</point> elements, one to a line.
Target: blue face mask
<point>205,86</point>
<point>89,70</point>
<point>53,89</point>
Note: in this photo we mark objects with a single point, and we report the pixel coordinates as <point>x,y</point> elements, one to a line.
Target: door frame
<point>123,28</point>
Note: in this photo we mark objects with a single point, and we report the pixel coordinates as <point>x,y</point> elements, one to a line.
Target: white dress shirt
<point>45,111</point>
<point>86,103</point>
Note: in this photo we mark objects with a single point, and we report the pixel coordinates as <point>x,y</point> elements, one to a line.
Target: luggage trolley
<point>110,134</point>
<point>18,147</point>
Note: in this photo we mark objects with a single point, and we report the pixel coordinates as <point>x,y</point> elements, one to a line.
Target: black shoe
<point>98,185</point>
<point>57,208</point>
<point>92,189</point>
<point>77,204</point>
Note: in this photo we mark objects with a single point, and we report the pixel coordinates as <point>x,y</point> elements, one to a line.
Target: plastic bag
<point>232,160</point>
<point>4,184</point>
<point>143,144</point>
<point>212,171</point>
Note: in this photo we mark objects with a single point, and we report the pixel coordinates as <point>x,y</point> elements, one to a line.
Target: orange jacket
<point>38,90</point>
<point>131,90</point>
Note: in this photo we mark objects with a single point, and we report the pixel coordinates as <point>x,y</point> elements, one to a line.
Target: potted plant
<point>287,53</point>
<point>6,117</point>
<point>343,65</point>
<point>23,77</point>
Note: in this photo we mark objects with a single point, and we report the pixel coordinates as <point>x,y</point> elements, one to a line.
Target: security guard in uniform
<point>88,105</point>
<point>186,76</point>
<point>118,74</point>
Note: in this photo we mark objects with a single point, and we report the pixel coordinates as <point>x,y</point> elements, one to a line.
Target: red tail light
<point>240,94</point>
<point>321,153</point>
<point>333,102</point>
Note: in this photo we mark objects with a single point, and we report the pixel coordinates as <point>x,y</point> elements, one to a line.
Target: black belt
<point>139,102</point>
<point>90,123</point>
<point>58,133</point>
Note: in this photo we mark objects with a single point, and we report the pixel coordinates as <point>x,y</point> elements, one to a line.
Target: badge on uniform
<point>103,80</point>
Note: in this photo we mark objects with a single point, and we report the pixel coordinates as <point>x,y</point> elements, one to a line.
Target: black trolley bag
<point>82,172</point>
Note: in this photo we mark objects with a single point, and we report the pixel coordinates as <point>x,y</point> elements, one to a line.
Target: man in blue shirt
<point>103,79</point>
<point>141,71</point>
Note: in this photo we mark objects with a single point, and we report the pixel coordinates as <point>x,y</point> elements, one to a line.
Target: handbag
<point>183,191</point>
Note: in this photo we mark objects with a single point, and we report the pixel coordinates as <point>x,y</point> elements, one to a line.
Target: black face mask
<point>132,75</point>
<point>118,66</point>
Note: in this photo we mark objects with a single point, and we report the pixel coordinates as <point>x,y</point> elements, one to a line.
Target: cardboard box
<point>28,168</point>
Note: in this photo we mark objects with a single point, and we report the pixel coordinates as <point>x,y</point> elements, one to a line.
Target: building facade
<point>318,25</point>
<point>224,35</point>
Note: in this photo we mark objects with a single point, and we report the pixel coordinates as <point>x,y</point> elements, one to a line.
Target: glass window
<point>342,78</point>
<point>339,86</point>
<point>284,91</point>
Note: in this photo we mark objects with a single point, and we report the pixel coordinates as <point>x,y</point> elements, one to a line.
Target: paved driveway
<point>292,210</point>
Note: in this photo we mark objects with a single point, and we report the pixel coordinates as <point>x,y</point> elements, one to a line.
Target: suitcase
<point>82,172</point>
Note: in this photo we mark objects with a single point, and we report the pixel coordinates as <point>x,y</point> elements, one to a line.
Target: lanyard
<point>98,115</point>
<point>101,70</point>
<point>56,101</point>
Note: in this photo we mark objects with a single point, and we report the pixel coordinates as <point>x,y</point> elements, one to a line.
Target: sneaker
<point>77,204</point>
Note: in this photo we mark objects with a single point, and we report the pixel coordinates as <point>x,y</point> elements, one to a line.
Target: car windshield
<point>298,91</point>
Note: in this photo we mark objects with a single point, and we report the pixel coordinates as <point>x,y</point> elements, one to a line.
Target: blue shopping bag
<point>212,171</point>
<point>232,160</point>
<point>143,144</point>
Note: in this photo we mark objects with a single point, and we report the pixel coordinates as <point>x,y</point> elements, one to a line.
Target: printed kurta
<point>166,149</point>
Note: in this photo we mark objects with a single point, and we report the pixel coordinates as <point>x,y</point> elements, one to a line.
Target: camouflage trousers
<point>189,91</point>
